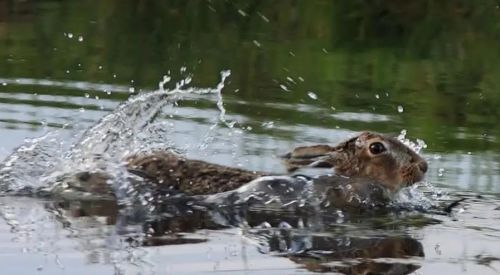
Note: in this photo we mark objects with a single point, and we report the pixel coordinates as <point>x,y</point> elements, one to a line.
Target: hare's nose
<point>422,166</point>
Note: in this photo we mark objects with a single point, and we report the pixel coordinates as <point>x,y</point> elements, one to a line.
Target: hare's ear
<point>309,156</point>
<point>321,156</point>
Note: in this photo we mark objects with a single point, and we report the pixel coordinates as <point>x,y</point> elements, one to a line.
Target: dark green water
<point>301,72</point>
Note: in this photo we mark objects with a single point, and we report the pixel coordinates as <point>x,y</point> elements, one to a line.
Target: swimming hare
<point>364,161</point>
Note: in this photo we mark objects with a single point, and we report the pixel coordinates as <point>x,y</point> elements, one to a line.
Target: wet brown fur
<point>193,177</point>
<point>399,166</point>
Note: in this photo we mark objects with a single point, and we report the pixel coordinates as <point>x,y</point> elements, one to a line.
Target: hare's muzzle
<point>422,165</point>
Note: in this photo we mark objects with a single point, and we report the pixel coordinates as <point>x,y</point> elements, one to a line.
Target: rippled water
<point>85,235</point>
<point>301,73</point>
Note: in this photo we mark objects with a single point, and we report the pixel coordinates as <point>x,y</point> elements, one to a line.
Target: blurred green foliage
<point>437,59</point>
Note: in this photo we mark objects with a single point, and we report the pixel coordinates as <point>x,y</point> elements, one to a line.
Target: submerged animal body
<point>326,190</point>
<point>368,167</point>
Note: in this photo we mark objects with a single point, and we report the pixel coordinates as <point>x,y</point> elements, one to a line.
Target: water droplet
<point>131,90</point>
<point>242,13</point>
<point>70,35</point>
<point>324,50</point>
<point>114,75</point>
<point>312,95</point>
<point>402,135</point>
<point>100,68</point>
<point>86,95</point>
<point>284,88</point>
<point>400,109</point>
<point>256,43</point>
<point>4,84</point>
<point>80,38</point>
<point>377,96</point>
<point>300,223</point>
<point>96,97</point>
<point>440,172</point>
<point>263,17</point>
<point>162,83</point>
<point>340,213</point>
<point>268,124</point>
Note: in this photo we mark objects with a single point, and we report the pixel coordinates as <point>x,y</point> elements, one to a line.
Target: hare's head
<point>381,158</point>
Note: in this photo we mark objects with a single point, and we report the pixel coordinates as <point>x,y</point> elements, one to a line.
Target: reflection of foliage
<point>438,59</point>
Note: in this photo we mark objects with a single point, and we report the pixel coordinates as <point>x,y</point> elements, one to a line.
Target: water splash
<point>414,197</point>
<point>220,104</point>
<point>423,195</point>
<point>38,162</point>
<point>416,146</point>
<point>30,161</point>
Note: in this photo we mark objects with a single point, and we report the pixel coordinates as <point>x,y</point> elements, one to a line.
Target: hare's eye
<point>377,148</point>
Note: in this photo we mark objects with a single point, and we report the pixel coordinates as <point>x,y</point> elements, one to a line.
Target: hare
<point>369,159</point>
<point>383,159</point>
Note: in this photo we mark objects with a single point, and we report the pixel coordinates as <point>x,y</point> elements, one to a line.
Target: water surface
<point>301,72</point>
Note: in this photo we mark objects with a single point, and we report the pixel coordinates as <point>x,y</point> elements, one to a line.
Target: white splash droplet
<point>284,88</point>
<point>312,95</point>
